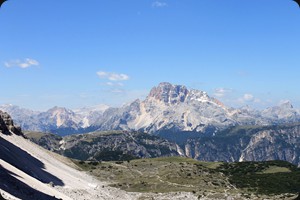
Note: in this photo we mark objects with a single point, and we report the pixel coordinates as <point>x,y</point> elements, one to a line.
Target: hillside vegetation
<point>205,179</point>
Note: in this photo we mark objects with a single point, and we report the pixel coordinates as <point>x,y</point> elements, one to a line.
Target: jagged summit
<point>58,109</point>
<point>168,93</point>
<point>174,94</point>
<point>286,104</point>
<point>60,114</point>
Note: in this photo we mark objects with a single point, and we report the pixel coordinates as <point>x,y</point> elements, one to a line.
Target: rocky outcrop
<point>7,124</point>
<point>248,144</point>
<point>169,94</point>
<point>274,144</point>
<point>47,140</point>
<point>111,145</point>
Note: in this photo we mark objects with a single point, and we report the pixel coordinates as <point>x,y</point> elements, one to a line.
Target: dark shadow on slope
<point>13,186</point>
<point>26,163</point>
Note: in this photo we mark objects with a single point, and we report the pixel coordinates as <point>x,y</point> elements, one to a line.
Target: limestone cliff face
<point>281,144</point>
<point>7,124</point>
<point>169,94</point>
<point>248,144</point>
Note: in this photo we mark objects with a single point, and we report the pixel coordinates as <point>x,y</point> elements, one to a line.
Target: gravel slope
<point>75,184</point>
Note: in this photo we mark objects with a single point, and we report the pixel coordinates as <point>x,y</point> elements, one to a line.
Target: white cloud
<point>113,76</point>
<point>114,84</point>
<point>28,62</point>
<point>221,92</point>
<point>249,98</point>
<point>159,4</point>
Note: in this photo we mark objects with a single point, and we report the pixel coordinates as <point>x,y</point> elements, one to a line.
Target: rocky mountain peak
<point>60,112</point>
<point>57,109</point>
<point>199,96</point>
<point>85,111</point>
<point>168,93</point>
<point>286,105</point>
<point>7,124</point>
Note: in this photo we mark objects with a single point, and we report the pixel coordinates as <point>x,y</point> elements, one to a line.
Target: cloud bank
<point>221,92</point>
<point>112,76</point>
<point>26,63</point>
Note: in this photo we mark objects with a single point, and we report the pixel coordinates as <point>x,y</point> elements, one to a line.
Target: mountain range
<point>167,107</point>
<point>58,120</point>
<point>30,172</point>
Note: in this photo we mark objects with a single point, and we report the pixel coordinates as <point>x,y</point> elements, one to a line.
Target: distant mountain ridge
<point>107,145</point>
<point>168,107</point>
<point>57,120</point>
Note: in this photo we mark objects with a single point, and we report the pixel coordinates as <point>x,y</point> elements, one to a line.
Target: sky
<point>61,53</point>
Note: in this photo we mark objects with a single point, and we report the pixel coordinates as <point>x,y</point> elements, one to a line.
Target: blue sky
<point>114,51</point>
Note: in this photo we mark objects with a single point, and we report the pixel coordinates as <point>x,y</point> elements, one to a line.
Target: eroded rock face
<point>169,94</point>
<point>7,124</point>
<point>117,145</point>
<point>248,144</point>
